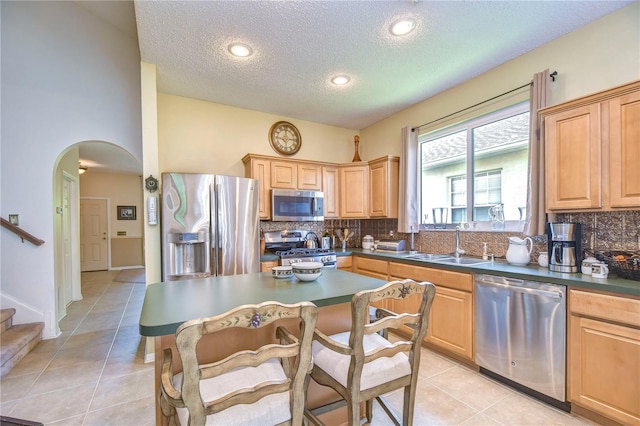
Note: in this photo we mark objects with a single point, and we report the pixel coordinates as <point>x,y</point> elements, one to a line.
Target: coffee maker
<point>564,246</point>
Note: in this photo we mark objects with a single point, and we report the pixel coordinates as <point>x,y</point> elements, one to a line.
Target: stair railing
<point>24,235</point>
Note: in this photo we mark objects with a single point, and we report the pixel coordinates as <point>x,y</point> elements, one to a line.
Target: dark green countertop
<point>529,272</point>
<point>169,304</point>
<point>268,256</point>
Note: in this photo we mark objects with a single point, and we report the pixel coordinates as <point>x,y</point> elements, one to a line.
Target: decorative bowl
<point>307,271</point>
<point>282,271</point>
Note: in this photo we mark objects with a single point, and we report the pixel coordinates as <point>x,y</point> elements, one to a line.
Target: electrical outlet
<point>13,219</point>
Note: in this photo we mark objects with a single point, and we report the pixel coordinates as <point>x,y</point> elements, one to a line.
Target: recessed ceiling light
<point>402,26</point>
<point>240,50</point>
<point>340,80</point>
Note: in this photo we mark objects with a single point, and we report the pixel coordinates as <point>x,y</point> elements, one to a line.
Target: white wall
<point>67,77</point>
<point>598,56</point>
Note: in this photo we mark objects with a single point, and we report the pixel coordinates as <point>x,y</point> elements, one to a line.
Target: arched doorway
<point>109,173</point>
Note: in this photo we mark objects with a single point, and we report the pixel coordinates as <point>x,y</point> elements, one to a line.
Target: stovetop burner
<point>302,252</point>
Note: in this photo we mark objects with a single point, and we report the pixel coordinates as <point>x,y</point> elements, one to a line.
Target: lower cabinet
<point>451,316</point>
<point>604,355</point>
<point>372,268</point>
<point>266,265</point>
<point>345,263</point>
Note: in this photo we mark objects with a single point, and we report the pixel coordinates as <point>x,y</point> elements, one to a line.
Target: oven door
<point>292,205</point>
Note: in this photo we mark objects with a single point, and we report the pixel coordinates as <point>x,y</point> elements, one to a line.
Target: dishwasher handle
<point>520,289</point>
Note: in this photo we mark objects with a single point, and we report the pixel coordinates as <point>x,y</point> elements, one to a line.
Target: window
<point>494,150</point>
<point>488,193</point>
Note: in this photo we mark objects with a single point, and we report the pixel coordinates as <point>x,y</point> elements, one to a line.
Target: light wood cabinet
<point>266,265</point>
<point>624,150</point>
<point>373,268</point>
<point>345,263</point>
<point>284,175</point>
<point>573,159</point>
<point>260,169</point>
<point>309,177</point>
<point>604,355</point>
<point>592,151</point>
<point>451,316</point>
<point>331,188</point>
<point>354,190</point>
<point>383,187</point>
<point>351,190</point>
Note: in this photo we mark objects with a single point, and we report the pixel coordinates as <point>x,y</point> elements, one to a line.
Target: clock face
<point>285,138</point>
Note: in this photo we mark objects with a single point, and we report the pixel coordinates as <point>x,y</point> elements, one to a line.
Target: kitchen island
<point>169,304</point>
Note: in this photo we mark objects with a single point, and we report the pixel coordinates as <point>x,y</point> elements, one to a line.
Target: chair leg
<point>369,409</point>
<point>353,412</point>
<point>408,404</point>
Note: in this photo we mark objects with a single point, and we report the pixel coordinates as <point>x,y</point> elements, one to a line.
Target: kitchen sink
<point>427,256</point>
<point>463,260</point>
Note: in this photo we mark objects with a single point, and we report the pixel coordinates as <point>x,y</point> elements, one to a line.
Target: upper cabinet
<point>331,188</point>
<point>624,150</point>
<point>260,169</point>
<point>354,190</point>
<point>310,177</point>
<point>383,187</point>
<point>592,151</point>
<point>284,175</point>
<point>351,190</point>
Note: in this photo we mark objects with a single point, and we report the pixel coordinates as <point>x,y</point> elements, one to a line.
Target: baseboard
<point>121,268</point>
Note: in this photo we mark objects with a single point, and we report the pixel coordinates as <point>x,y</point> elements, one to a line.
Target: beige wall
<point>203,137</point>
<point>603,54</point>
<point>121,190</point>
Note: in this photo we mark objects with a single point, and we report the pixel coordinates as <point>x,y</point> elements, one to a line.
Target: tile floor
<point>83,376</point>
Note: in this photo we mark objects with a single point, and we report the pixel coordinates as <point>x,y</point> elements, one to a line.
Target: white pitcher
<point>518,253</point>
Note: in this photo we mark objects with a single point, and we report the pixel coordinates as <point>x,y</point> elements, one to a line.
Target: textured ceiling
<point>299,45</point>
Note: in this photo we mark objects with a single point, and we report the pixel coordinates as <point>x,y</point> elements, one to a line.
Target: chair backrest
<point>295,354</point>
<point>387,319</point>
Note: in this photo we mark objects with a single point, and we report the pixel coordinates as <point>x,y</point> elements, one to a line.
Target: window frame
<point>468,126</point>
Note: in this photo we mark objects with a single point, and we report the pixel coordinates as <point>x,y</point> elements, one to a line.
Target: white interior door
<point>67,241</point>
<point>94,245</point>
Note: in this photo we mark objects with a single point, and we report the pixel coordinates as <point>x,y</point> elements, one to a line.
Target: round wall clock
<point>285,138</point>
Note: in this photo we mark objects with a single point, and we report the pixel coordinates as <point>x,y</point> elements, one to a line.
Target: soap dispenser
<point>485,252</point>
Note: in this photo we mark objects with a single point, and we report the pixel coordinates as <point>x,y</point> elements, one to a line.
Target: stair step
<point>6,318</point>
<point>17,342</point>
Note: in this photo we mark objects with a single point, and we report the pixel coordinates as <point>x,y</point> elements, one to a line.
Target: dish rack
<point>625,264</point>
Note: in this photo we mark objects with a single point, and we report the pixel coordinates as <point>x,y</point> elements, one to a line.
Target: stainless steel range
<point>327,257</point>
<point>289,245</point>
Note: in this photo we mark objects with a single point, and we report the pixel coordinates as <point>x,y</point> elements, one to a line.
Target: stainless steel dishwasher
<point>520,335</point>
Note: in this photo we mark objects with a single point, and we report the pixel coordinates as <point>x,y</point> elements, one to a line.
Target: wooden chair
<point>361,365</point>
<point>265,386</point>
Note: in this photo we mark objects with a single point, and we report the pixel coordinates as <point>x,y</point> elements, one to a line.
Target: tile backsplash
<point>601,231</point>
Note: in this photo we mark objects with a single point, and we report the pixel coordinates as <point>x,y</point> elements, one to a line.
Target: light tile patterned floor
<point>82,377</point>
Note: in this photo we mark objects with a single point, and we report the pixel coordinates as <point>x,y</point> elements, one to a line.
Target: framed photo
<point>126,212</point>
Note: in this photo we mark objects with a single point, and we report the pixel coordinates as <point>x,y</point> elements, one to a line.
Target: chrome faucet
<point>458,251</point>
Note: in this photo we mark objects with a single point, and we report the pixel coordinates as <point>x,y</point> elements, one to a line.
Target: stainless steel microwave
<point>291,205</point>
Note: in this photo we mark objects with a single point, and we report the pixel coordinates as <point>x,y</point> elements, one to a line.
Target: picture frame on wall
<point>126,212</point>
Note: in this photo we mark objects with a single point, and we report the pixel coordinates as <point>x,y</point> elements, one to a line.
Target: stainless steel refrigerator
<point>210,226</point>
